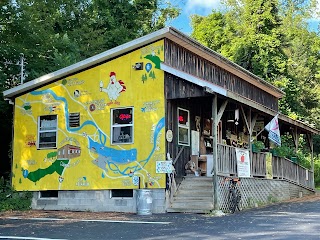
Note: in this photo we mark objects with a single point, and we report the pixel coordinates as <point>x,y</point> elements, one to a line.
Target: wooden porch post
<point>250,123</point>
<point>215,151</point>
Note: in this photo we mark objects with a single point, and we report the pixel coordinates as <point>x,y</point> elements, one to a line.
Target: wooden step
<point>194,195</point>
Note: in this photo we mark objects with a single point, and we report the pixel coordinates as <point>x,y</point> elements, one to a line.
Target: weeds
<point>12,200</point>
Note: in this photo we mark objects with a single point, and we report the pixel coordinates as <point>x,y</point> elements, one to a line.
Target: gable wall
<point>94,163</point>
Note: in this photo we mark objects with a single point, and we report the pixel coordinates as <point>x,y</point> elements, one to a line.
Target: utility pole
<point>20,63</point>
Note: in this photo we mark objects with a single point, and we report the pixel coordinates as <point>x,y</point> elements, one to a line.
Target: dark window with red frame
<point>122,125</point>
<point>183,127</point>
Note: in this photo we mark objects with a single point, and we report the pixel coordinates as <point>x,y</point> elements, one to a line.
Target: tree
<point>303,52</point>
<point>271,39</point>
<point>248,34</point>
<point>53,34</point>
<point>56,33</point>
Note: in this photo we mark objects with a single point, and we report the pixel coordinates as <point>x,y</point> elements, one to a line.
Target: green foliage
<point>54,34</point>
<point>272,199</point>
<point>287,150</point>
<point>283,151</point>
<point>317,172</point>
<point>270,39</point>
<point>257,146</point>
<point>12,200</point>
<point>248,34</point>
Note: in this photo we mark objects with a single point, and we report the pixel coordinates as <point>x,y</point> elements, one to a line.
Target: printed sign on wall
<point>164,167</point>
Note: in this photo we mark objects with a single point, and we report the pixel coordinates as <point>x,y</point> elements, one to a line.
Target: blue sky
<point>204,7</point>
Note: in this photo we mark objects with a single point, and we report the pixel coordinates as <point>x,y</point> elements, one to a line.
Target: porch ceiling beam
<point>309,140</point>
<point>295,135</point>
<point>221,110</point>
<point>245,117</point>
<point>253,122</point>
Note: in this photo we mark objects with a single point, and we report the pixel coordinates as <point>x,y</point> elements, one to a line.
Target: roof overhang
<point>186,42</point>
<point>215,89</point>
<point>170,33</point>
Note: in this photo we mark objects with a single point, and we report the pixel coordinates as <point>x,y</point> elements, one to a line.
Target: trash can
<point>144,202</point>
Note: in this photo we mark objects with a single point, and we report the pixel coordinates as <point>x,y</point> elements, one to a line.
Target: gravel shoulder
<point>116,216</point>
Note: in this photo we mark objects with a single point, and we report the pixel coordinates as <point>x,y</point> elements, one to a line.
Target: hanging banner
<point>274,132</point>
<point>243,162</point>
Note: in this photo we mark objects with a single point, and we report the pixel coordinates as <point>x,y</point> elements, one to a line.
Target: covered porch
<point>213,109</point>
<point>262,167</point>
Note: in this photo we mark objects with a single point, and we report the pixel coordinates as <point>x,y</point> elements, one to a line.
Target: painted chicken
<point>114,87</point>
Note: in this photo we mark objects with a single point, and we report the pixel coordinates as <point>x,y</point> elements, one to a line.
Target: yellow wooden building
<point>89,135</point>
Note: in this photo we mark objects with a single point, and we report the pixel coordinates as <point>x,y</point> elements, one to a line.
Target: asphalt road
<point>281,221</point>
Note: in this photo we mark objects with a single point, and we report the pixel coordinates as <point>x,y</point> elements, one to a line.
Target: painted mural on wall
<point>99,129</point>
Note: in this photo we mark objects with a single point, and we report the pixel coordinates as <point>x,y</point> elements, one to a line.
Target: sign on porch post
<point>269,165</point>
<point>195,136</point>
<point>243,162</point>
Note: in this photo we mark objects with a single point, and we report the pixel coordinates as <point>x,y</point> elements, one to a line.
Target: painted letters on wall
<point>102,128</point>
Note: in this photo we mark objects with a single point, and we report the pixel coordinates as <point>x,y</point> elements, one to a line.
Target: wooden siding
<point>173,148</point>
<point>176,87</point>
<point>184,60</point>
<point>171,116</point>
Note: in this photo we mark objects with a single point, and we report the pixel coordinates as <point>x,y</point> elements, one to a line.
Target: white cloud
<point>203,6</point>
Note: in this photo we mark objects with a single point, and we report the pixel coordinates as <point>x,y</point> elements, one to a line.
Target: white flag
<point>274,132</point>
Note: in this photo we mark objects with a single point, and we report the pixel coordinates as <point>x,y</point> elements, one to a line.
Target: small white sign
<point>243,162</point>
<point>169,135</point>
<point>163,166</point>
<point>195,136</point>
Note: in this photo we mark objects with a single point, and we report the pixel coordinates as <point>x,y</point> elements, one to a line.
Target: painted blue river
<point>116,157</point>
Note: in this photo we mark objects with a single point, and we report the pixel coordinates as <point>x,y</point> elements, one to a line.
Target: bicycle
<point>234,196</point>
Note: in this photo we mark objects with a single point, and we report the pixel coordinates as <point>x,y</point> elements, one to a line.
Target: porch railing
<point>282,168</point>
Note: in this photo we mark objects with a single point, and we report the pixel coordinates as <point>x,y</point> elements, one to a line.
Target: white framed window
<point>122,125</point>
<point>183,127</point>
<point>47,131</point>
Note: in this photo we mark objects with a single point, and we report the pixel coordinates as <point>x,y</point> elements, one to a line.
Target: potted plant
<point>257,146</point>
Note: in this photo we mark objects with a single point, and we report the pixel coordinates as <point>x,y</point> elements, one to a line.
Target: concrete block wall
<point>96,201</point>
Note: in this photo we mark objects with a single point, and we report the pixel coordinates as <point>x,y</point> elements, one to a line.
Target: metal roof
<point>168,32</point>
